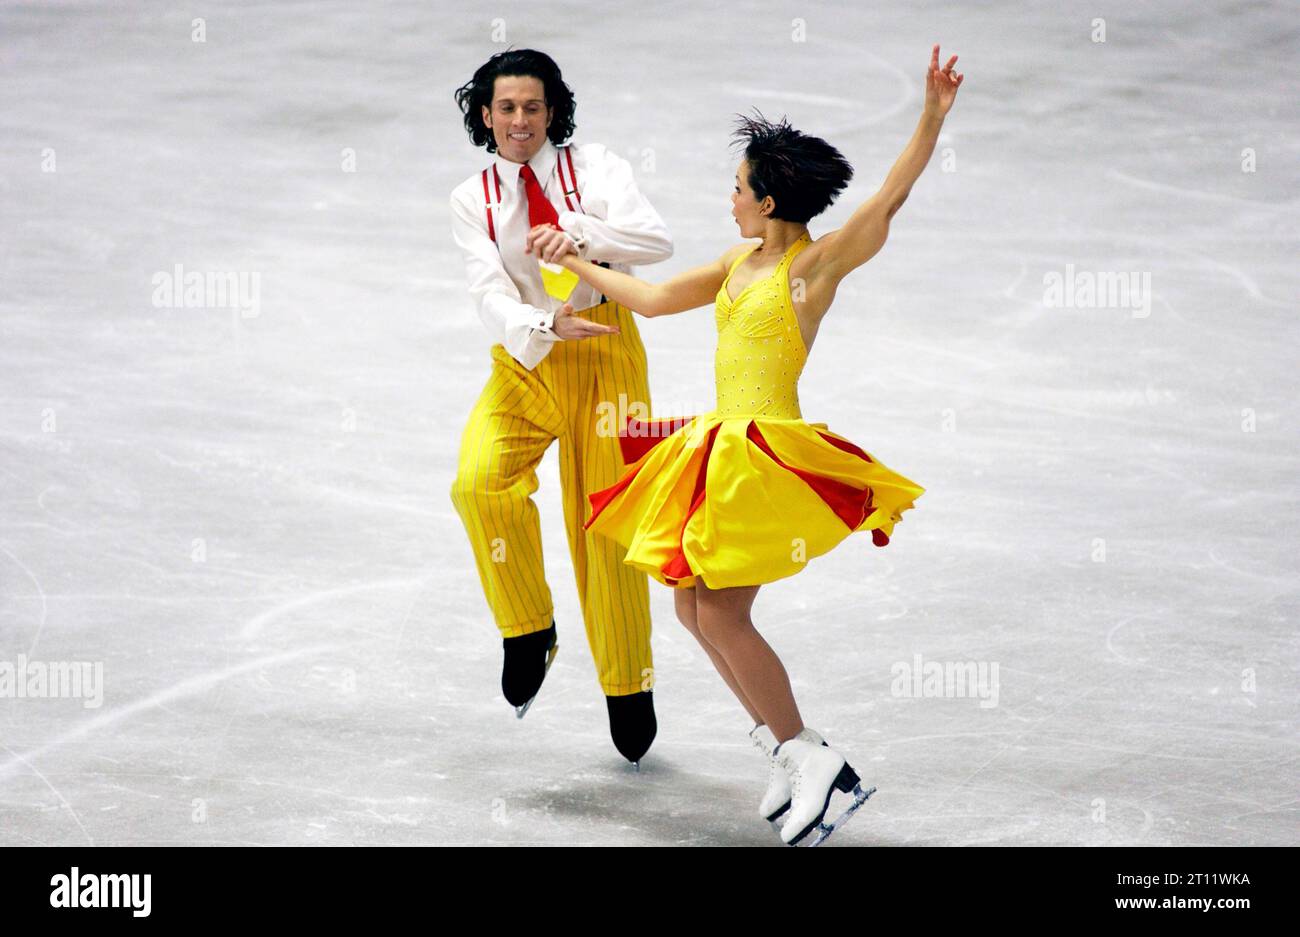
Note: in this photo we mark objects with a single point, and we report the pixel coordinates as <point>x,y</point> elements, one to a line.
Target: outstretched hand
<point>941,84</point>
<point>567,325</point>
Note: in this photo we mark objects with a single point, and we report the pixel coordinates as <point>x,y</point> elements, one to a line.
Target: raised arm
<point>867,228</point>
<point>696,287</point>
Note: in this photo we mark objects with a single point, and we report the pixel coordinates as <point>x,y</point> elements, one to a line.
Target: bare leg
<point>724,622</point>
<point>686,614</point>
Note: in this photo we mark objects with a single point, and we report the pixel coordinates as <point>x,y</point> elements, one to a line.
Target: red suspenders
<point>487,201</point>
<point>569,187</point>
<point>573,178</point>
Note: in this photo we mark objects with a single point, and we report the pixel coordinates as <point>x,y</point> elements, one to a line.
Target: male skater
<point>550,370</point>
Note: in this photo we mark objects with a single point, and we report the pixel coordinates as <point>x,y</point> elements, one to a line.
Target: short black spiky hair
<point>803,174</point>
<point>476,94</point>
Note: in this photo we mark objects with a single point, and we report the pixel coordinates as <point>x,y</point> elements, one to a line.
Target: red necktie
<point>540,209</point>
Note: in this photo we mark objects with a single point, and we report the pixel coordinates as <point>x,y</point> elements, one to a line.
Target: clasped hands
<point>549,243</point>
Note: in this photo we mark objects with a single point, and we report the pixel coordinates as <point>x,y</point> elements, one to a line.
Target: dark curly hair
<point>803,174</point>
<point>476,94</point>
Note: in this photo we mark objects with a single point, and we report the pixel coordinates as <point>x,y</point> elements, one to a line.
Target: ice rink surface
<point>245,518</point>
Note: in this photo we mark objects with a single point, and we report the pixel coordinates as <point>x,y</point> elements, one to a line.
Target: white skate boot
<point>777,799</point>
<point>816,772</point>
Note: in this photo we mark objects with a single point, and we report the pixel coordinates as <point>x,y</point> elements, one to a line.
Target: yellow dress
<point>749,492</point>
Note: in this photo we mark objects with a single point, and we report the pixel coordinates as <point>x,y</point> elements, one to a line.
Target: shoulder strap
<point>793,251</point>
<point>736,263</point>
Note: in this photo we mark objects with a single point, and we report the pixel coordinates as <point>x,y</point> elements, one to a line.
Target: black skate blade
<point>550,659</point>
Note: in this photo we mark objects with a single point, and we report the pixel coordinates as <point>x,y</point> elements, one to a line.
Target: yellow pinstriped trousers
<point>517,417</point>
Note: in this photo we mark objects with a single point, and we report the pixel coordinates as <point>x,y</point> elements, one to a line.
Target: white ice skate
<point>777,799</point>
<point>816,772</point>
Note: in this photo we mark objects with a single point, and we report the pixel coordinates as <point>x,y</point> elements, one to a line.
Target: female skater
<point>747,493</point>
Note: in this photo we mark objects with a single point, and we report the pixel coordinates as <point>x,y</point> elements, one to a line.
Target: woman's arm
<point>864,234</point>
<point>618,223</point>
<point>696,287</point>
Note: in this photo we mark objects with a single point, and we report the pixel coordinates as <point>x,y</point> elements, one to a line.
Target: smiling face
<point>518,116</point>
<point>749,213</point>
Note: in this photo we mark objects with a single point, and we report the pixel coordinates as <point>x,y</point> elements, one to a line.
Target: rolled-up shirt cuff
<point>542,324</point>
<point>572,224</point>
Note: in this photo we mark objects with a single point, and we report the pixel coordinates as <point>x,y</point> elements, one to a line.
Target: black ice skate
<point>528,658</point>
<point>632,724</point>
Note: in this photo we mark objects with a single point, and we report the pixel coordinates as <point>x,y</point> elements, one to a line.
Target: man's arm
<point>631,231</point>
<point>524,330</point>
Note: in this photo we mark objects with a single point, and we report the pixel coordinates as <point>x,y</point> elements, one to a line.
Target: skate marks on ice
<point>670,801</point>
<point>253,627</point>
<point>190,687</point>
<point>214,720</point>
<point>63,801</point>
<point>40,592</point>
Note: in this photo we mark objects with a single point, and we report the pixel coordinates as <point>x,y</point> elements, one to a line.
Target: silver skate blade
<point>824,830</point>
<point>550,659</point>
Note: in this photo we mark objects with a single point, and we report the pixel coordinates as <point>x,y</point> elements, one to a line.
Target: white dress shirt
<point>615,224</point>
